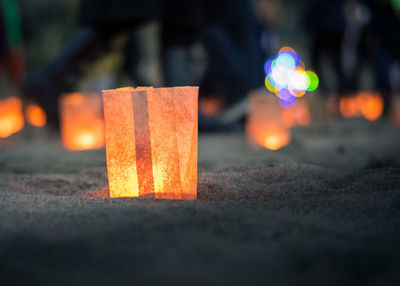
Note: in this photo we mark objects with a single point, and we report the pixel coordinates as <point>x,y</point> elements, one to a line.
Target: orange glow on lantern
<point>265,124</point>
<point>82,124</point>
<point>275,138</point>
<point>151,142</point>
<point>35,115</point>
<point>11,117</point>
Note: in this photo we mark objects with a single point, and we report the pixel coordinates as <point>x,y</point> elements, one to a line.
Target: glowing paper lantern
<point>371,105</point>
<point>11,117</point>
<point>35,115</point>
<point>264,123</point>
<point>82,124</point>
<point>368,105</point>
<point>151,142</point>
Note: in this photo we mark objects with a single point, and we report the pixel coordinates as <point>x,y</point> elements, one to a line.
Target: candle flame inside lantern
<point>368,105</point>
<point>82,124</point>
<point>11,117</point>
<point>276,138</point>
<point>35,115</point>
<point>151,142</point>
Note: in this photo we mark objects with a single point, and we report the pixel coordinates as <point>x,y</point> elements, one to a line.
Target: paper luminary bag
<point>368,105</point>
<point>82,123</point>
<point>151,142</point>
<point>264,124</point>
<point>11,116</point>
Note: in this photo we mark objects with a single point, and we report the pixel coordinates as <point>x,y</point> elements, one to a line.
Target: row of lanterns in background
<point>82,123</point>
<point>12,117</point>
<point>268,124</point>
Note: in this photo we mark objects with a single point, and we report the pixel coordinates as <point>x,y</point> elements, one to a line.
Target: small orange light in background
<point>371,105</point>
<point>368,105</point>
<point>82,123</point>
<point>35,115</point>
<point>151,142</point>
<point>210,106</point>
<point>11,117</point>
<point>266,125</point>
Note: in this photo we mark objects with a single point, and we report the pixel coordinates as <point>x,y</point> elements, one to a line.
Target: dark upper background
<point>219,45</point>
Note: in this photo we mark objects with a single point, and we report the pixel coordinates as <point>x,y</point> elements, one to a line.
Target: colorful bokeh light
<point>287,77</point>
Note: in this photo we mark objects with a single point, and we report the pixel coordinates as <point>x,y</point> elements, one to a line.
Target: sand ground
<point>323,211</point>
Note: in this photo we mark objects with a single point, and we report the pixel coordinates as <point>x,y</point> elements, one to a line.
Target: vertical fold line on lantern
<point>144,162</point>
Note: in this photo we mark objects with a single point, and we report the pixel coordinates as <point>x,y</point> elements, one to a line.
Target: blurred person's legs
<point>223,75</point>
<point>233,46</point>
<point>180,31</point>
<point>383,66</point>
<point>102,21</point>
<point>46,84</point>
<point>136,59</point>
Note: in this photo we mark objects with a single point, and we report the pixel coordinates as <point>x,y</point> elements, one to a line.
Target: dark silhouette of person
<point>384,44</point>
<point>225,27</point>
<point>325,21</point>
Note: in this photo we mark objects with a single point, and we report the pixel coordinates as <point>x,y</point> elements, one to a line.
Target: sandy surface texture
<point>323,211</point>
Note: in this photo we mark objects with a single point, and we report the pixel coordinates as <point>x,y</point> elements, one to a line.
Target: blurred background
<point>53,48</point>
<point>290,193</point>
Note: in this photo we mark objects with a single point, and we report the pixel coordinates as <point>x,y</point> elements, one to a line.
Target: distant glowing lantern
<point>11,117</point>
<point>368,105</point>
<point>151,142</point>
<point>264,123</point>
<point>35,115</point>
<point>371,105</point>
<point>82,124</point>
